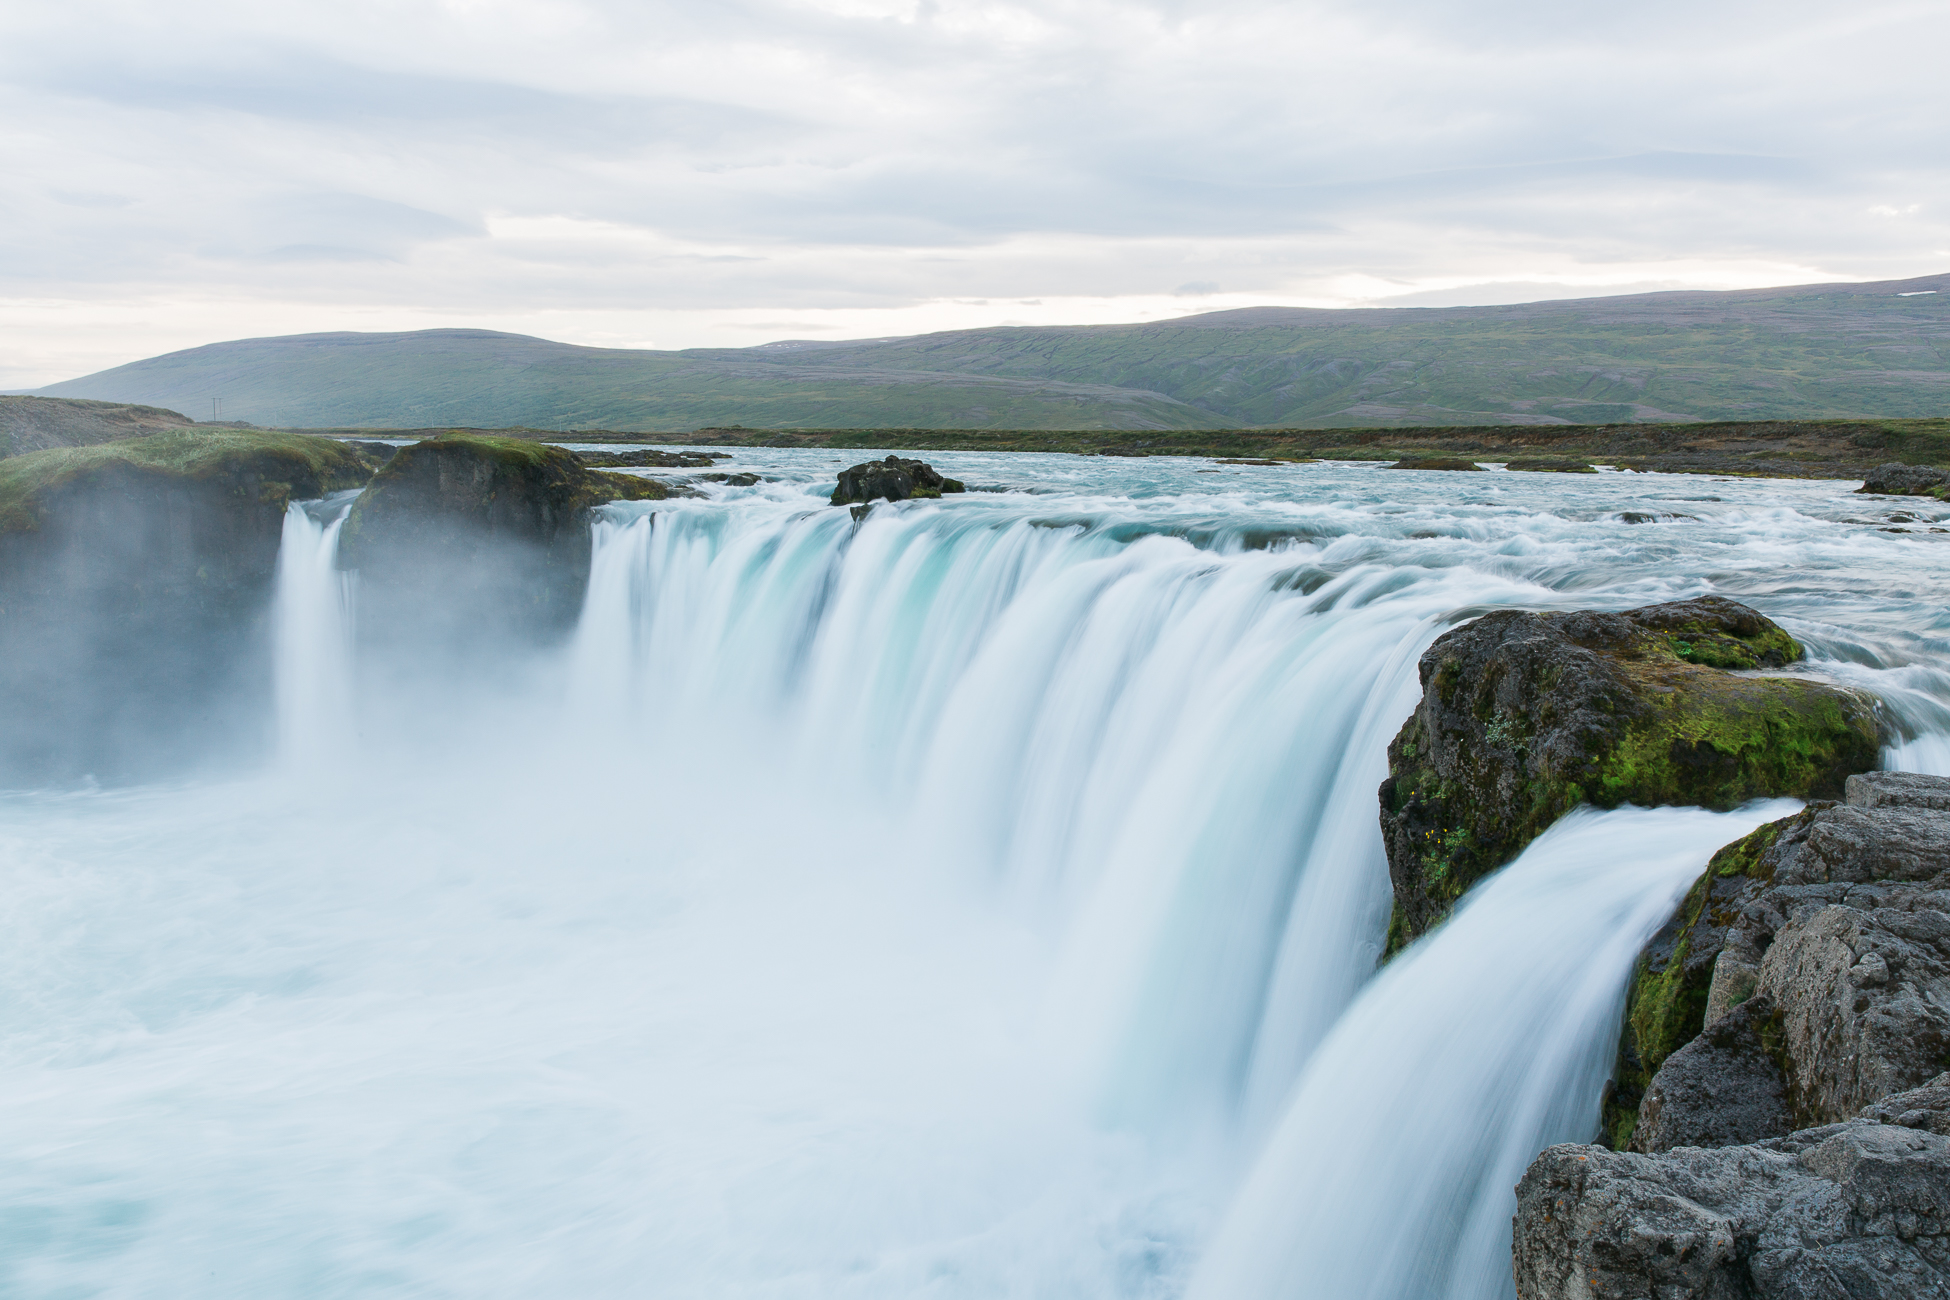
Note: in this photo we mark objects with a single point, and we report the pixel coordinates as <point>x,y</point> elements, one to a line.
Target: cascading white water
<point>960,902</point>
<point>312,635</point>
<point>1392,1175</point>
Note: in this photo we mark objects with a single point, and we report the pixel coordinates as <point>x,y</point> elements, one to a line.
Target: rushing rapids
<point>981,898</point>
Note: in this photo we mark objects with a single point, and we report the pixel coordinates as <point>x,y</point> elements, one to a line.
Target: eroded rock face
<point>1855,1211</point>
<point>468,546</point>
<point>1524,716</point>
<point>893,479</point>
<point>1896,479</point>
<point>1836,922</point>
<point>135,581</point>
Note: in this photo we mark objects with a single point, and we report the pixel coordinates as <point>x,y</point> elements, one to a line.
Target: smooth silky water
<point>982,900</point>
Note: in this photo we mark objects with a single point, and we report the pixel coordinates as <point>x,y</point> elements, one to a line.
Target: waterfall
<point>311,636</point>
<point>1391,1176</point>
<point>976,898</point>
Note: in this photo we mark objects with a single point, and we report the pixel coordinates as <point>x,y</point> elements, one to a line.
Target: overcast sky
<point>722,174</point>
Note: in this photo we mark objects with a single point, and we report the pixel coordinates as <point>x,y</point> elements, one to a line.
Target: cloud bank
<point>687,174</point>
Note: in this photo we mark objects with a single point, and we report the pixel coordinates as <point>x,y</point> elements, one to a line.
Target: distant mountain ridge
<point>1802,352</point>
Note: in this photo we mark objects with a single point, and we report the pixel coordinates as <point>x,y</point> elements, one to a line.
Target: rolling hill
<point>1798,353</point>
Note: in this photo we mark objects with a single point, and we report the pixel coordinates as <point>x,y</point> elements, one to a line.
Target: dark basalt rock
<point>1525,716</point>
<point>1722,1089</point>
<point>1436,462</point>
<point>1898,480</point>
<point>894,479</point>
<point>135,577</point>
<point>1838,921</point>
<point>472,546</point>
<point>1854,1211</point>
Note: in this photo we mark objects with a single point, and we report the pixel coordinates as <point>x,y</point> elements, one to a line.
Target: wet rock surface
<point>1854,1211</point>
<point>1896,479</point>
<point>895,478</point>
<point>135,581</point>
<point>1524,716</point>
<point>651,459</point>
<point>1837,922</point>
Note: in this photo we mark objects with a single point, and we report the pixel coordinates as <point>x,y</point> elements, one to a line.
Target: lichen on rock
<point>1525,716</point>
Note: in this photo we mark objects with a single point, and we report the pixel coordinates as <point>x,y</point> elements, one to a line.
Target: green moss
<point>1744,738</point>
<point>1665,1005</point>
<point>280,460</point>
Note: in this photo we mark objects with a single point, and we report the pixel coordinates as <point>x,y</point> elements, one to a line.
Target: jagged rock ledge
<point>1524,716</point>
<point>1795,1142</point>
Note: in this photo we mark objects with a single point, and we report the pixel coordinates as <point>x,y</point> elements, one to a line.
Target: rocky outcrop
<point>894,479</point>
<point>1437,462</point>
<point>1812,959</point>
<point>1854,1211</point>
<point>1898,480</point>
<point>1525,716</point>
<point>472,546</point>
<point>134,581</point>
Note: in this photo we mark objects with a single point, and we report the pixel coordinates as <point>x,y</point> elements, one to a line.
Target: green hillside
<point>1804,353</point>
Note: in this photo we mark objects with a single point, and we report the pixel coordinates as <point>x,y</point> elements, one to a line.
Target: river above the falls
<point>979,899</point>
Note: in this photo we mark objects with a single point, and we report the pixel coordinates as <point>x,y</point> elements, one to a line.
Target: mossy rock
<point>254,469</point>
<point>466,541</point>
<point>1526,716</point>
<point>1665,1007</point>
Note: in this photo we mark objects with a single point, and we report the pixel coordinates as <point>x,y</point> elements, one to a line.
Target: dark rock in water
<point>473,546</point>
<point>135,577</point>
<point>1436,462</point>
<point>732,480</point>
<point>1855,1211</point>
<point>1525,716</point>
<point>1899,480</point>
<point>1839,917</point>
<point>1722,1089</point>
<point>894,479</point>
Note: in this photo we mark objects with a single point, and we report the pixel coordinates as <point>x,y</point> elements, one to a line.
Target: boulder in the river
<point>473,545</point>
<point>1854,1211</point>
<point>1899,480</point>
<point>135,577</point>
<point>1837,922</point>
<point>897,478</point>
<point>1524,716</point>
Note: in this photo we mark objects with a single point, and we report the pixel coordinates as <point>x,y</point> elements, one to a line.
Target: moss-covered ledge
<point>1525,716</point>
<point>248,468</point>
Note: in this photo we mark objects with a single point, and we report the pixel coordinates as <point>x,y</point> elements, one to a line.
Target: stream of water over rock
<point>980,899</point>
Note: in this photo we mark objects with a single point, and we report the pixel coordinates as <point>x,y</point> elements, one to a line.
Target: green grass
<point>196,455</point>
